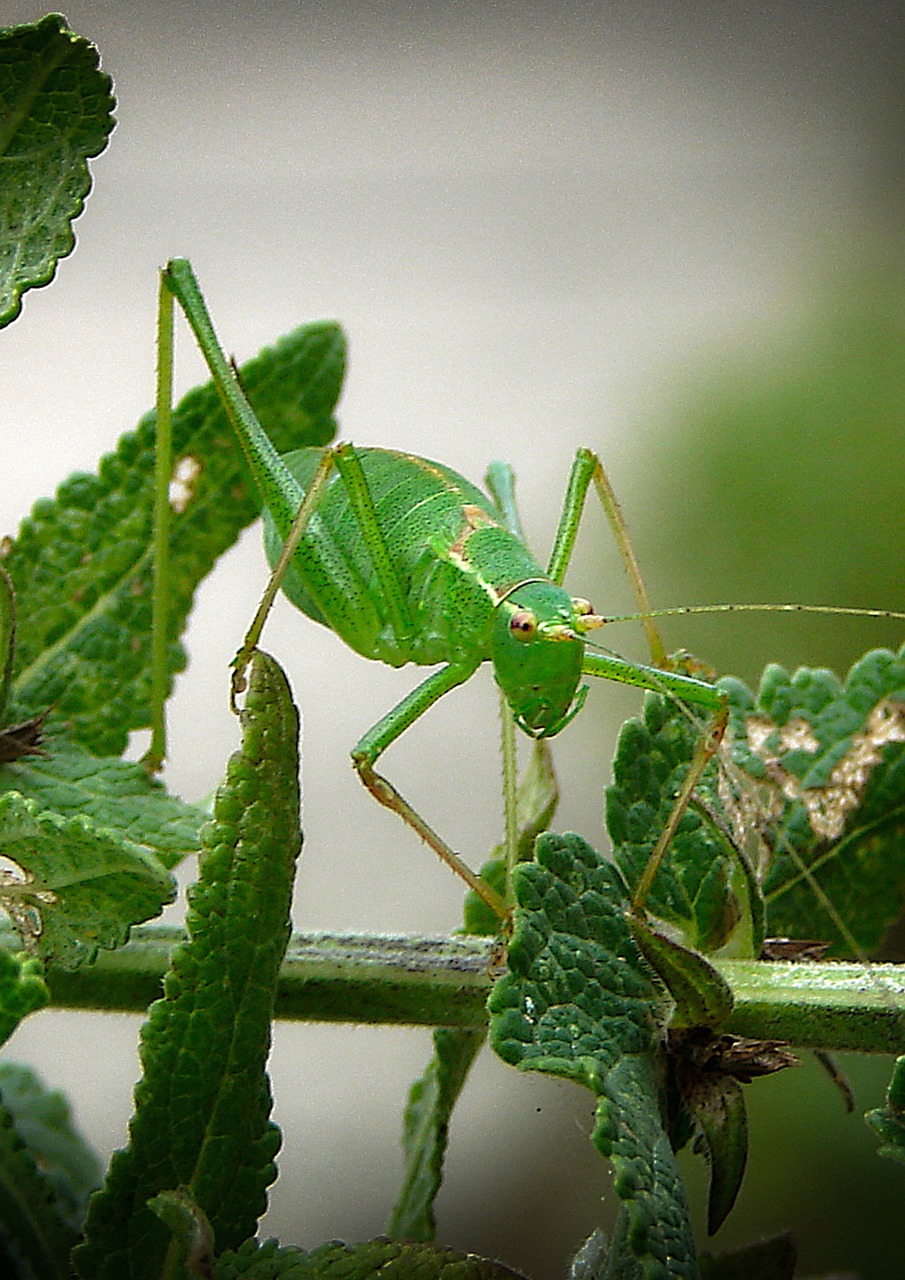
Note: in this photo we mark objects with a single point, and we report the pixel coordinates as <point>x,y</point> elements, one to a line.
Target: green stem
<point>324,978</point>
<point>835,1005</point>
<point>446,981</point>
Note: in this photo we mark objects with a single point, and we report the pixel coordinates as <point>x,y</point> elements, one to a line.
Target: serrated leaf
<point>202,1107</point>
<point>72,886</point>
<point>426,1129</point>
<point>81,563</point>
<point>816,794</point>
<point>388,1259</point>
<point>56,113</point>
<point>116,794</point>
<point>43,1120</point>
<point>22,991</point>
<point>35,1237</point>
<point>702,888</point>
<point>578,1003</point>
<point>829,759</point>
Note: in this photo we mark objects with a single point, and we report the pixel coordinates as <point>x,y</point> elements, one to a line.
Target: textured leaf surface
<point>815,800</point>
<point>56,112</point>
<point>35,1238</point>
<point>830,759</point>
<point>387,1259</point>
<point>44,1122</point>
<point>22,990</point>
<point>113,793</point>
<point>202,1107</point>
<point>696,887</point>
<point>81,564</point>
<point>73,886</point>
<point>578,1003</point>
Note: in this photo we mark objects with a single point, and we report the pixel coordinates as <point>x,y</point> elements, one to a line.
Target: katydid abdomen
<point>451,554</point>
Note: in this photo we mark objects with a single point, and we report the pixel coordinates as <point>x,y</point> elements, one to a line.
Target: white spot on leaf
<point>183,481</point>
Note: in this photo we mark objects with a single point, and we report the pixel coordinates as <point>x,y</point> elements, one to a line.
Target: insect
<point>407,561</point>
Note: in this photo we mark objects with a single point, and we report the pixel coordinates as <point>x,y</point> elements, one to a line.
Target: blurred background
<point>671,233</point>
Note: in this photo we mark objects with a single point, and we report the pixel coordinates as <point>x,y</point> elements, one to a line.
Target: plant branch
<point>445,982</point>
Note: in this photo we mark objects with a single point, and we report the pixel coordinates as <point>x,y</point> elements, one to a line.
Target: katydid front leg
<point>587,467</point>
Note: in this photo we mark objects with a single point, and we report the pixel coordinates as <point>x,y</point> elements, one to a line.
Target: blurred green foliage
<point>778,477</point>
<point>775,474</point>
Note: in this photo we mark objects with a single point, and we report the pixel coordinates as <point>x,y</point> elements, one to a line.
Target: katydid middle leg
<point>372,745</point>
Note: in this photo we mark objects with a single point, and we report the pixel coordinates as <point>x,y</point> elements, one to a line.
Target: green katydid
<point>409,562</point>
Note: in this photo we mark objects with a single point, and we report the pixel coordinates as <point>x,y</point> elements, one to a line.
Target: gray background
<point>532,221</point>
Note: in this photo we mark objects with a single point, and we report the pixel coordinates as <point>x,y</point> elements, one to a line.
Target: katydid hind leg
<point>163,462</point>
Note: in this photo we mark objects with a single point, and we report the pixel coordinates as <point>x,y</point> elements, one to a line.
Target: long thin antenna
<point>847,610</point>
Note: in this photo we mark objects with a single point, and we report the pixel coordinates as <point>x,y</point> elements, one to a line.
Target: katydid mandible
<point>407,561</point>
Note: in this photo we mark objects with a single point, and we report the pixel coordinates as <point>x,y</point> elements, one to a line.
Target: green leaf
<point>388,1259</point>
<point>889,1121</point>
<point>43,1121</point>
<point>814,795</point>
<point>828,757</point>
<point>71,885</point>
<point>81,564</point>
<point>202,1107</point>
<point>56,112</point>
<point>703,996</point>
<point>578,1003</point>
<point>703,888</point>
<point>35,1238</point>
<point>116,794</point>
<point>719,1111</point>
<point>22,990</point>
<point>426,1130</point>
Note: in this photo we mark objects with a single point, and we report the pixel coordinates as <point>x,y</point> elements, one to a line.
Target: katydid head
<point>537,650</point>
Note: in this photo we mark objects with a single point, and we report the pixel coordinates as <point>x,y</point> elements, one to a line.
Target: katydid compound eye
<point>582,607</point>
<point>523,624</point>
